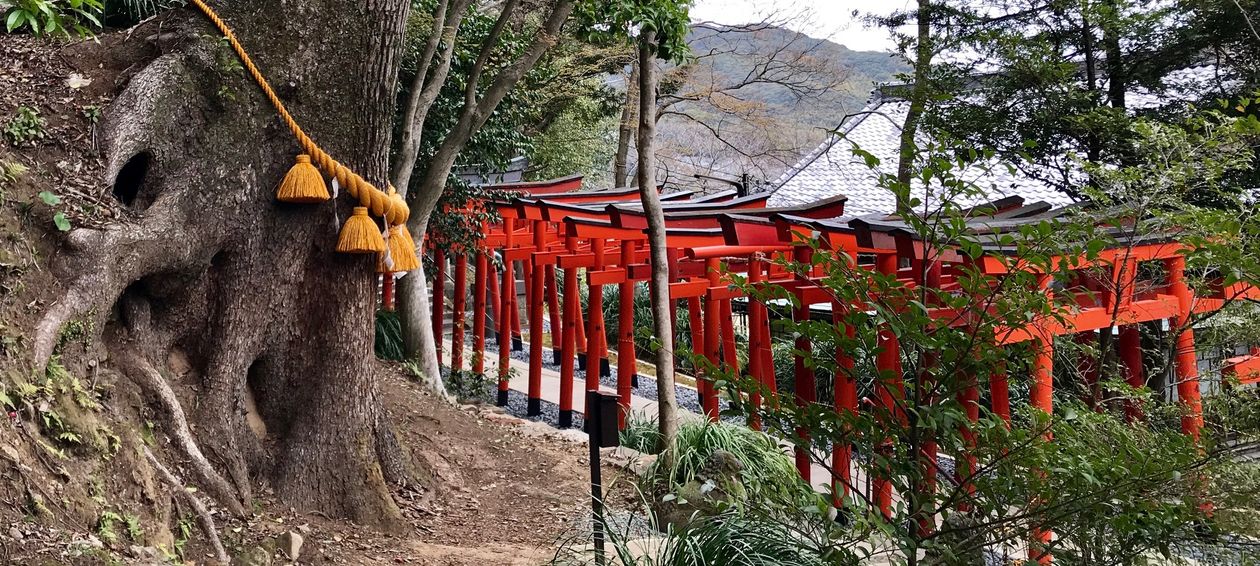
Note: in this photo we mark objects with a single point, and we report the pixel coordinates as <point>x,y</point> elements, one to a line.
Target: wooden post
<point>1000,394</point>
<point>712,337</point>
<point>756,311</point>
<point>595,316</point>
<point>626,365</point>
<point>553,315</point>
<point>889,392</point>
<point>570,339</point>
<point>730,357</point>
<point>457,312</point>
<point>696,320</point>
<point>1186,361</point>
<point>803,376</point>
<point>439,298</point>
<point>492,280</point>
<point>387,292</point>
<point>479,313</point>
<point>517,338</point>
<point>507,294</point>
<point>1041,396</point>
<point>1130,346</point>
<point>844,399</point>
<point>534,403</point>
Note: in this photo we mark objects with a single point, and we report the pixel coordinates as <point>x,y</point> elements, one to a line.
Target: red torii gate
<point>550,225</point>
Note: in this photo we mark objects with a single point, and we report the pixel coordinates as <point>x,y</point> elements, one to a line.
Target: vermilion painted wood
<point>479,313</point>
<point>1130,345</point>
<point>844,399</point>
<point>439,297</point>
<point>536,305</point>
<point>550,186</point>
<point>695,319</point>
<point>457,312</point>
<point>803,377</point>
<point>387,292</point>
<point>507,294</point>
<point>553,312</point>
<point>1245,368</point>
<point>889,393</point>
<point>730,359</point>
<point>1186,362</point>
<point>595,318</point>
<point>1000,394</point>
<point>756,339</point>
<point>712,337</point>
<point>569,357</point>
<point>492,280</point>
<point>626,364</point>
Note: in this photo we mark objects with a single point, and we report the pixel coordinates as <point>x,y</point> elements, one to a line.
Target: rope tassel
<point>402,250</point>
<point>360,235</point>
<point>303,183</point>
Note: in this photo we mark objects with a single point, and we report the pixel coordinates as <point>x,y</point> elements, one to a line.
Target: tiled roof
<point>832,169</point>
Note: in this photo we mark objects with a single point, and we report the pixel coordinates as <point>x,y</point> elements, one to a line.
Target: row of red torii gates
<point>552,224</point>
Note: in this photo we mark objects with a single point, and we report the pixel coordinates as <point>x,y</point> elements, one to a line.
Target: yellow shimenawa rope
<point>391,208</point>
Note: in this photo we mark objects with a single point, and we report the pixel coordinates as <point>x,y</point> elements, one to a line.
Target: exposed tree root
<point>152,382</point>
<point>203,515</point>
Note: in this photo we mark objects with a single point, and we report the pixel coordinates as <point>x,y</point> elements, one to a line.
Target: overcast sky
<point>830,19</point>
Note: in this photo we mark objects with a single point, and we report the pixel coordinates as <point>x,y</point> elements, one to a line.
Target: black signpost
<point>601,427</point>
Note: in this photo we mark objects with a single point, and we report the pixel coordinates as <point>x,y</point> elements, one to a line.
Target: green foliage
<point>389,341</point>
<point>471,386</point>
<point>767,471</point>
<point>10,172</point>
<point>604,20</point>
<point>125,13</point>
<point>581,139</point>
<point>52,17</point>
<point>641,434</point>
<point>25,127</point>
<point>183,533</point>
<point>732,538</point>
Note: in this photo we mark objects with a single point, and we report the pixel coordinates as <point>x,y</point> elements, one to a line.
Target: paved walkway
<point>820,477</point>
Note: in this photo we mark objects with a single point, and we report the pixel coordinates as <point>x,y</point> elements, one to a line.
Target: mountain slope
<point>755,100</point>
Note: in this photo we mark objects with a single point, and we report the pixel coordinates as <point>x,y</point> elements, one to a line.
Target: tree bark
<point>626,129</point>
<point>918,96</point>
<point>250,288</point>
<point>423,199</point>
<point>662,324</point>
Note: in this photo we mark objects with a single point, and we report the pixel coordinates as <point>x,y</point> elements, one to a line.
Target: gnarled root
<point>153,383</point>
<point>203,515</point>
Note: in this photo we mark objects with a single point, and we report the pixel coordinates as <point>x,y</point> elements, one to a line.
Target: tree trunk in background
<point>626,129</point>
<point>667,404</point>
<point>918,95</point>
<point>418,336</point>
<point>415,311</point>
<point>248,288</point>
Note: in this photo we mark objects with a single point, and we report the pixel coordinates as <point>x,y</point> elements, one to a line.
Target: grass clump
<point>766,468</point>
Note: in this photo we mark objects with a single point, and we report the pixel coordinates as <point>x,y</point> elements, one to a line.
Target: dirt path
<point>493,493</point>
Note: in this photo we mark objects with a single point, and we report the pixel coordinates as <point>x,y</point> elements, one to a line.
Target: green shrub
<point>731,538</point>
<point>389,343</point>
<point>25,126</point>
<point>768,472</point>
<point>471,386</point>
<point>52,17</point>
<point>641,434</point>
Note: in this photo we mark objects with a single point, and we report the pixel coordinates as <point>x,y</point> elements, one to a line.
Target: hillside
<point>766,126</point>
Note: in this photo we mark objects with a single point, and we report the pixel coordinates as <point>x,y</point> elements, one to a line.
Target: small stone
<point>15,534</point>
<point>291,544</point>
<point>304,528</point>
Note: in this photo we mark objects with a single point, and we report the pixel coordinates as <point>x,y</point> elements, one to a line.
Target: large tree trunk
<point>249,288</point>
<point>662,324</point>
